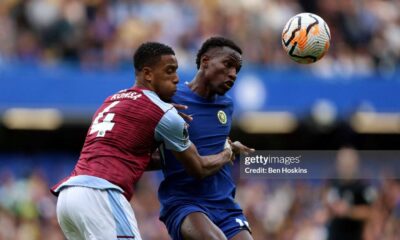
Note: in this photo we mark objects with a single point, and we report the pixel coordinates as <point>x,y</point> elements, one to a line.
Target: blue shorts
<point>230,221</point>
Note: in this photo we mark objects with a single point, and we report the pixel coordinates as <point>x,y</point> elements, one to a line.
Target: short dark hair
<point>150,53</point>
<point>215,42</point>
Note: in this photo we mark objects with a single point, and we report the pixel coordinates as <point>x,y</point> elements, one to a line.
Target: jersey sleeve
<point>172,131</point>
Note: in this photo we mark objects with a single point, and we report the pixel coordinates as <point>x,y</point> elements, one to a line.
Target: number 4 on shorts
<point>106,125</point>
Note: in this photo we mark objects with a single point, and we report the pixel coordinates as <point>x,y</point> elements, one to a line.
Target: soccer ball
<point>306,38</point>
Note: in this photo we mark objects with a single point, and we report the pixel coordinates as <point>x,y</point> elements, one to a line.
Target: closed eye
<point>228,64</point>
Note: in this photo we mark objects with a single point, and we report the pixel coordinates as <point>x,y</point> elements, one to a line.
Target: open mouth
<point>229,83</point>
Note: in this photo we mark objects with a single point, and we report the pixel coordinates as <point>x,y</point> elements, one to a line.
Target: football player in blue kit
<point>195,206</point>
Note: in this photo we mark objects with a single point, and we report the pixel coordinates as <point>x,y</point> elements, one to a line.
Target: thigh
<point>124,217</point>
<point>197,226</point>
<point>71,232</point>
<point>68,224</point>
<point>85,212</point>
<point>99,214</point>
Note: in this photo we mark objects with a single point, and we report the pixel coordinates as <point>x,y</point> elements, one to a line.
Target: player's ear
<point>147,74</point>
<point>204,61</point>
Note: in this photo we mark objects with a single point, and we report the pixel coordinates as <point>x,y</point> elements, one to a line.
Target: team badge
<point>222,117</point>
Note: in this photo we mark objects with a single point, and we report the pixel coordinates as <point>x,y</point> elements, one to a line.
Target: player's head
<point>155,68</point>
<point>347,163</point>
<point>219,59</point>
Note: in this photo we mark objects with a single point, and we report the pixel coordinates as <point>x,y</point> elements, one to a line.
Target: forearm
<point>212,163</point>
<point>202,166</point>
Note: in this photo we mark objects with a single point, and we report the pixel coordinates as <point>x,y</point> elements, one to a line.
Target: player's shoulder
<point>185,95</point>
<point>140,102</point>
<point>155,99</point>
<point>126,94</point>
<point>226,99</point>
<point>183,92</point>
<point>143,96</point>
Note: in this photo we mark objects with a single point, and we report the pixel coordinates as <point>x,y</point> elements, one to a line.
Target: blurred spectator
<point>99,33</point>
<point>27,210</point>
<point>348,199</point>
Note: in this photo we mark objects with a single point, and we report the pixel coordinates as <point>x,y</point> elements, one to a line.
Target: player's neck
<point>140,84</point>
<point>201,88</point>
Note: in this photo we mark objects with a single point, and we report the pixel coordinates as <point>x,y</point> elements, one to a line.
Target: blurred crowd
<point>277,209</point>
<point>104,33</point>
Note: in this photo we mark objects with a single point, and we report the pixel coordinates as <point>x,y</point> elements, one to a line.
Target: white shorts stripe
<point>123,226</point>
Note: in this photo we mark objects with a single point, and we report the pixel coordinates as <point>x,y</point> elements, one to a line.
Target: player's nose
<point>232,74</point>
<point>175,80</point>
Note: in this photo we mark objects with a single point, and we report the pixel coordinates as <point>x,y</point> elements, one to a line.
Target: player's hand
<point>183,115</point>
<point>228,147</point>
<point>239,148</point>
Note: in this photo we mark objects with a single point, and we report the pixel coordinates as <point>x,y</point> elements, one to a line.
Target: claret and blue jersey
<point>212,119</point>
<point>125,131</point>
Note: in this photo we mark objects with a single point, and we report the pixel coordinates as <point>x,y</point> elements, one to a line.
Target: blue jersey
<point>212,119</point>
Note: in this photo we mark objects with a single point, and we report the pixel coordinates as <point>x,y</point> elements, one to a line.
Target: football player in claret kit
<point>205,208</point>
<point>93,202</point>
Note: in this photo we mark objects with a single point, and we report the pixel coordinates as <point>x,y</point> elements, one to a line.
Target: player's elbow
<point>195,165</point>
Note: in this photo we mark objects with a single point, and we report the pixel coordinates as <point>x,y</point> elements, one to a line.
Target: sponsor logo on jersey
<point>222,117</point>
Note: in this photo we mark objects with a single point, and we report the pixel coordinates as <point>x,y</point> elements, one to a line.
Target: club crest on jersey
<point>222,117</point>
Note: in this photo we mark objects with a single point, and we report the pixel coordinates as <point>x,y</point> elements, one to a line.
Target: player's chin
<point>222,90</point>
<point>168,97</point>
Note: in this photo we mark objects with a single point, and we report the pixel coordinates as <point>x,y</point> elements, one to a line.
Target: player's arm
<point>202,166</point>
<point>239,148</point>
<point>172,131</point>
